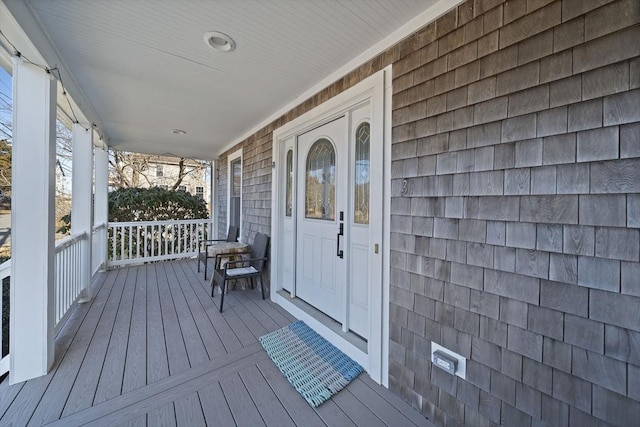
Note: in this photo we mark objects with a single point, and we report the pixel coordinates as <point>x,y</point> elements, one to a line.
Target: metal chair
<point>204,245</point>
<point>242,269</point>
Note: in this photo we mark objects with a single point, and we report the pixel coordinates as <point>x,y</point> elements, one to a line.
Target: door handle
<point>339,252</point>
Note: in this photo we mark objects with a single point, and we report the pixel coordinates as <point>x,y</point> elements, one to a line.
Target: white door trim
<point>375,89</point>
<point>232,157</point>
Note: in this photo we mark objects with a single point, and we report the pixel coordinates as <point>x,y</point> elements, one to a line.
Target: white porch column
<point>213,201</point>
<point>32,222</point>
<point>81,206</point>
<point>101,201</point>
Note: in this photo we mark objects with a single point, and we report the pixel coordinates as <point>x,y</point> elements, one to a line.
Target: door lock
<point>339,252</point>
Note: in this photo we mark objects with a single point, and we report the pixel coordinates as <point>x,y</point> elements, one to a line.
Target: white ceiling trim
<point>426,17</point>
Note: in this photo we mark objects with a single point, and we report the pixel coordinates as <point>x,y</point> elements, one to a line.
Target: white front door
<point>320,269</point>
<point>332,238</point>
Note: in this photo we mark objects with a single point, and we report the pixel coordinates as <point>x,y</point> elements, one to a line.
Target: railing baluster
<point>112,231</point>
<point>130,233</point>
<point>173,240</point>
<point>165,237</point>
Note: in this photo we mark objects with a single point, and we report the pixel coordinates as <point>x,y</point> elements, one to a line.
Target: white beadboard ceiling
<point>144,68</point>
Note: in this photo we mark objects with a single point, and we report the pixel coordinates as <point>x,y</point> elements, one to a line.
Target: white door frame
<point>375,89</point>
<point>230,159</point>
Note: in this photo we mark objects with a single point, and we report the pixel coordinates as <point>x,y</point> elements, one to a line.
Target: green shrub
<point>154,204</point>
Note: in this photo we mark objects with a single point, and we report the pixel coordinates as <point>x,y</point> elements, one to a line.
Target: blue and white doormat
<point>316,368</point>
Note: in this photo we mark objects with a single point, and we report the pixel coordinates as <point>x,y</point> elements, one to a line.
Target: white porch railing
<point>67,287</point>
<point>68,274</point>
<point>5,275</point>
<point>145,241</point>
<point>124,243</point>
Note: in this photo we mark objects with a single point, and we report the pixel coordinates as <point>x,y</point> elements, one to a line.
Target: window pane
<point>321,181</point>
<point>236,170</point>
<point>362,179</point>
<point>289,196</point>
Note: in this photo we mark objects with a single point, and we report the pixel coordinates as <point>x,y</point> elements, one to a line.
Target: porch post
<point>101,201</point>
<point>81,206</point>
<point>213,202</point>
<point>32,222</point>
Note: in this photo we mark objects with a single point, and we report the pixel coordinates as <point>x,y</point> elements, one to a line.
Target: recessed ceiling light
<point>179,131</point>
<point>219,41</point>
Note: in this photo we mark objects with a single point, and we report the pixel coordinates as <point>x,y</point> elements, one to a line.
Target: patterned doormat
<point>316,368</point>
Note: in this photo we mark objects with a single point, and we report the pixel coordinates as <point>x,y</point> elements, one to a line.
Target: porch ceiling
<point>144,68</point>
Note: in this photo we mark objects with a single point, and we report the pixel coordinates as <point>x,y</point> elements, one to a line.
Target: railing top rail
<point>97,227</point>
<point>167,222</point>
<point>70,240</point>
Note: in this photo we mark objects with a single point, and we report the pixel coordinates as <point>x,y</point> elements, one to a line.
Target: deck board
<point>295,405</point>
<point>157,361</point>
<point>228,338</point>
<point>214,406</point>
<point>208,333</point>
<point>332,415</point>
<point>267,403</point>
<point>356,410</point>
<point>76,337</point>
<point>110,383</point>
<point>162,416</point>
<point>196,351</point>
<point>189,411</point>
<point>135,371</point>
<point>244,411</point>
<point>83,392</point>
<point>176,350</point>
<point>151,348</point>
<point>30,396</point>
<point>377,405</point>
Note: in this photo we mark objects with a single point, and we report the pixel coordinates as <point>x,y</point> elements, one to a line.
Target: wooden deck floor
<point>151,349</point>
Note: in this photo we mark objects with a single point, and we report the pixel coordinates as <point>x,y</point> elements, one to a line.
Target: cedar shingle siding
<point>516,125</point>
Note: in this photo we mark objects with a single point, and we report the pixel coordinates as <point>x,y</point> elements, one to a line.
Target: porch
<point>151,348</point>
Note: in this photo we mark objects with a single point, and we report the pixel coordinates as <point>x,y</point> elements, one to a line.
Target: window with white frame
<point>159,170</point>
<point>200,192</point>
<point>234,194</point>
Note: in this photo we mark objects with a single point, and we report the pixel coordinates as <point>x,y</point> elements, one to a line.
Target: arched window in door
<point>320,181</point>
<point>362,179</point>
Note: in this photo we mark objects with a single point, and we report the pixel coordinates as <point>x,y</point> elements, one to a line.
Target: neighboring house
<point>473,188</point>
<point>164,171</point>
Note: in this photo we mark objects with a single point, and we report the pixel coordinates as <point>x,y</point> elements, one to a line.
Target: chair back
<point>259,250</point>
<point>232,235</point>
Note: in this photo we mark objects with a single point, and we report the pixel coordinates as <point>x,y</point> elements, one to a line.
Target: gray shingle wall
<point>527,140</point>
<point>517,127</point>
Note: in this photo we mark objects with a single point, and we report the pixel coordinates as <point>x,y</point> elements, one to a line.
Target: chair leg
<point>213,285</point>
<point>262,286</point>
<point>224,288</point>
<point>206,262</point>
<point>198,263</point>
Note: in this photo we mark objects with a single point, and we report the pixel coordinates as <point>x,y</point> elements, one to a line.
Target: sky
<point>5,96</point>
